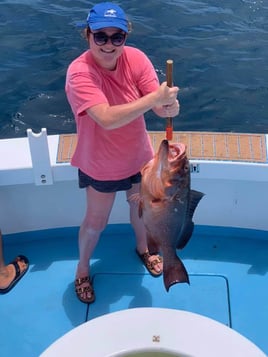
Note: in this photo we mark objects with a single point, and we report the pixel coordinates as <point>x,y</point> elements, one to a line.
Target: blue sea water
<point>219,49</point>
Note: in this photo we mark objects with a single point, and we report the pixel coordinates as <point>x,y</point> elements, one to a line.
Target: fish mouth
<point>177,151</point>
<point>159,173</point>
<point>172,152</point>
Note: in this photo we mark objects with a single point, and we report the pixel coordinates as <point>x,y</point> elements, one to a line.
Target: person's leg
<point>2,261</point>
<point>98,210</point>
<point>11,273</point>
<point>139,229</point>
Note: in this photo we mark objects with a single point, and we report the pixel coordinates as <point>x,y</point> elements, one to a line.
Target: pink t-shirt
<point>118,153</point>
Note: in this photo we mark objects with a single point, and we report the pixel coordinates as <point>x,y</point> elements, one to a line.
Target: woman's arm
<point>112,117</point>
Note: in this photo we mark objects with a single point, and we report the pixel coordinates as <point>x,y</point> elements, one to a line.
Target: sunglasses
<point>101,38</point>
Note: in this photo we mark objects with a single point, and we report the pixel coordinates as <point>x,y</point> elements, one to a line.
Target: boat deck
<point>227,268</point>
<point>200,145</point>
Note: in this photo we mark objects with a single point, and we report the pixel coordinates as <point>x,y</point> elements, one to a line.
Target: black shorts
<point>108,186</point>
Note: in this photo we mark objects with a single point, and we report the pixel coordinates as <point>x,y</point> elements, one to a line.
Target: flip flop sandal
<point>149,265</point>
<point>18,273</point>
<point>81,291</point>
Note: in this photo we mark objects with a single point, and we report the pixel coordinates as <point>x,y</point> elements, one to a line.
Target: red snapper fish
<point>167,205</point>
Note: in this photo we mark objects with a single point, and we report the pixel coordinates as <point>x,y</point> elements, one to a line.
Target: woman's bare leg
<point>99,206</point>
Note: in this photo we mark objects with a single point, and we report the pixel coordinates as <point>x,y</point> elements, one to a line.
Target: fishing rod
<point>169,76</point>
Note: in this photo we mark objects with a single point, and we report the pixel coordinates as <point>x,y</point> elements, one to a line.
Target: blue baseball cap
<point>107,14</point>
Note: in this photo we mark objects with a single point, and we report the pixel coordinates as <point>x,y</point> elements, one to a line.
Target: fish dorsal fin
<point>187,230</point>
<point>186,234</point>
<point>195,197</point>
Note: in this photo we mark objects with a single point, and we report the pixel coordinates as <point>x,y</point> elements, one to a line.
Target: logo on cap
<point>110,13</point>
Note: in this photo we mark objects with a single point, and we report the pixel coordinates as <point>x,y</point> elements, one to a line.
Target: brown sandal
<point>80,291</point>
<point>150,265</point>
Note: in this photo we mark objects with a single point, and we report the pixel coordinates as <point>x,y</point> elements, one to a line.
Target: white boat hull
<point>38,193</point>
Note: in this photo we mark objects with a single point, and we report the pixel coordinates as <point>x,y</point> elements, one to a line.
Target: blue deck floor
<point>227,268</point>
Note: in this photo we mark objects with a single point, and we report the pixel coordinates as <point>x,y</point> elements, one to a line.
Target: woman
<point>109,88</point>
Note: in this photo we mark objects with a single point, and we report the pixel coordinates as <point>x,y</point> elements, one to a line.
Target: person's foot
<point>153,263</point>
<point>10,274</point>
<point>84,290</point>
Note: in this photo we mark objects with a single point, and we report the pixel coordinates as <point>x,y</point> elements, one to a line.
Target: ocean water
<point>219,49</point>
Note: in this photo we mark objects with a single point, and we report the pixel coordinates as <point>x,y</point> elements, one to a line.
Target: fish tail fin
<point>174,274</point>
